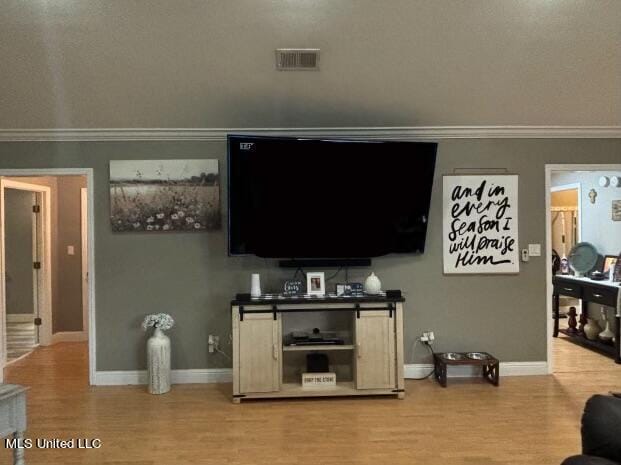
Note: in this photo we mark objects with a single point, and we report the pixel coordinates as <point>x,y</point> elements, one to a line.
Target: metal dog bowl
<point>453,356</point>
<point>477,355</point>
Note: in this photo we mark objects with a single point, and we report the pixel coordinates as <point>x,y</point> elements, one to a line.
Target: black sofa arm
<point>601,427</point>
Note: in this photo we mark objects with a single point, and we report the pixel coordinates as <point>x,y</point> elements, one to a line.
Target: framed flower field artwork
<point>164,195</point>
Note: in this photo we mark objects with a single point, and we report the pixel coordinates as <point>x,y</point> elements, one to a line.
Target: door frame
<point>90,186</point>
<point>43,288</point>
<point>84,255</point>
<point>548,170</point>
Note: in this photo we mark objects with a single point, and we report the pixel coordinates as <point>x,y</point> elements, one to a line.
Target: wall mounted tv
<point>327,199</point>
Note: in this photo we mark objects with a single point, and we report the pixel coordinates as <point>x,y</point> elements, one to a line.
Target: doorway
<point>63,260</point>
<point>579,206</point>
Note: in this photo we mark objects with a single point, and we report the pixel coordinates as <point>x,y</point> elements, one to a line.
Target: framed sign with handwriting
<point>480,224</point>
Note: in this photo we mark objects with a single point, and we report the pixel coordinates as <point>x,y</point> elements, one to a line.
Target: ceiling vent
<point>297,59</point>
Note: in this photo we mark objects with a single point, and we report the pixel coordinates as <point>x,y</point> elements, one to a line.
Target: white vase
<point>591,329</point>
<point>158,362</point>
<point>372,285</point>
<point>606,335</point>
<point>255,285</point>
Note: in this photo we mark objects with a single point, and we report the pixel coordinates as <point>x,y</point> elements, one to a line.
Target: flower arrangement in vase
<point>158,352</point>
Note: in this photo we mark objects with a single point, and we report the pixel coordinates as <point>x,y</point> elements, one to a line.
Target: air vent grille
<point>297,59</point>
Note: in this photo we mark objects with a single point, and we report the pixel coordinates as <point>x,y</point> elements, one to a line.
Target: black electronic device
<point>292,197</point>
<point>393,294</point>
<point>316,338</point>
<point>317,363</point>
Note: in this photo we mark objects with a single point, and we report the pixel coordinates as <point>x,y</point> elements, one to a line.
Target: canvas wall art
<point>480,224</point>
<point>164,195</point>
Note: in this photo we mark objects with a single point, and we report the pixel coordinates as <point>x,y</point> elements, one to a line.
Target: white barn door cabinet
<point>369,361</point>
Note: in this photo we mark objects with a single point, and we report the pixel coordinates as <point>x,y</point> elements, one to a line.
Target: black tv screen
<point>311,198</point>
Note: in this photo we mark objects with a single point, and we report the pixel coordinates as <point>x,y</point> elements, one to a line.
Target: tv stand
<point>324,262</point>
<point>369,362</point>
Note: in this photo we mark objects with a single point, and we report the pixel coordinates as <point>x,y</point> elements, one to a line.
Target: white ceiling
<point>210,64</point>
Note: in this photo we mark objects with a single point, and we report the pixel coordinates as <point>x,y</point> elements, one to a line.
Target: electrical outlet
<point>213,343</point>
<point>428,337</point>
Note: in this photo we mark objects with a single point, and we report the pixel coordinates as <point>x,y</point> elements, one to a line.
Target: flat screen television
<point>312,198</point>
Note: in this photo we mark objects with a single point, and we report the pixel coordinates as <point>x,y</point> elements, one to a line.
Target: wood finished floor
<point>527,420</point>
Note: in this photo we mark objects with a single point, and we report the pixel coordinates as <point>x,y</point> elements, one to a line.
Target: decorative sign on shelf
<point>480,218</point>
<point>314,380</point>
<point>293,287</point>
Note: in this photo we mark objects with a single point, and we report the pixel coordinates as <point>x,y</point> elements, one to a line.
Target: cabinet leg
<point>236,400</point>
<point>617,341</point>
<point>18,452</point>
<point>401,395</point>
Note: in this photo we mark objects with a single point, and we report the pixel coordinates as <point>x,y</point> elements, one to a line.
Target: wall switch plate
<point>534,250</point>
<point>525,255</point>
<point>70,250</point>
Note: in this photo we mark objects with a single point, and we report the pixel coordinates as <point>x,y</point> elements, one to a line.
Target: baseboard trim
<point>401,133</point>
<point>69,336</point>
<point>225,375</point>
<point>506,369</point>
<point>193,376</point>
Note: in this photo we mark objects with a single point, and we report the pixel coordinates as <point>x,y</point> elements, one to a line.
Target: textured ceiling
<point>210,63</point>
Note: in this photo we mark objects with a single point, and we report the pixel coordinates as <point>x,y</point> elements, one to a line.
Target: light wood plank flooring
<point>527,420</point>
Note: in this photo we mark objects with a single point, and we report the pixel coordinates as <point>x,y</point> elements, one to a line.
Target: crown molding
<point>383,133</point>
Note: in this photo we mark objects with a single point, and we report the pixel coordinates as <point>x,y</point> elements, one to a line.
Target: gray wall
<point>69,314</point>
<point>190,275</point>
<point>189,63</point>
<point>597,225</point>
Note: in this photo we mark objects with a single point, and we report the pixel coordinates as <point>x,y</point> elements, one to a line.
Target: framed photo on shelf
<point>609,264</point>
<point>316,283</point>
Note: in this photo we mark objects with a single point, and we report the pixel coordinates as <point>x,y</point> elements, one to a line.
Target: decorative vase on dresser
<point>158,362</point>
<point>606,335</point>
<point>591,329</point>
<point>372,285</point>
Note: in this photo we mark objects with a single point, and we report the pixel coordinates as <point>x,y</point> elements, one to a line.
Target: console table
<point>13,416</point>
<point>369,362</point>
<point>599,292</point>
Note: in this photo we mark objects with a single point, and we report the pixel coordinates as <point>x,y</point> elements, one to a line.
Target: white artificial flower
<point>162,321</point>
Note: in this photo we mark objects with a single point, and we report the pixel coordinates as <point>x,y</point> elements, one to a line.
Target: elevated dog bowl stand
<point>490,366</point>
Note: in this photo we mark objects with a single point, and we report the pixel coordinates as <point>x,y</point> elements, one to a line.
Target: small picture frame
<point>316,283</point>
<point>609,264</point>
<point>347,289</point>
<point>342,289</point>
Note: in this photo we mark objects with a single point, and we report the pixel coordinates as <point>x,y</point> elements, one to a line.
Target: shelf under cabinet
<point>317,347</point>
<point>602,347</point>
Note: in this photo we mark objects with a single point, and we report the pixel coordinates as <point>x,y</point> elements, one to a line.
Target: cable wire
<point>433,370</point>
